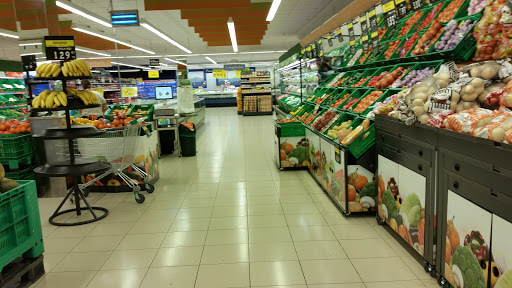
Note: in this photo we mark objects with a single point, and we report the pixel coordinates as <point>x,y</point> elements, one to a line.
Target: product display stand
<point>73,165</point>
<point>259,96</point>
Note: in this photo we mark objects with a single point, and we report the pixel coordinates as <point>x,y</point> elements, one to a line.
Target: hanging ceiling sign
<point>154,74</point>
<point>125,18</point>
<point>338,32</point>
<point>329,40</point>
<point>97,63</point>
<point>364,23</point>
<point>154,62</point>
<point>351,38</point>
<point>389,12</point>
<point>59,47</point>
<point>234,67</point>
<point>29,62</point>
<point>219,74</point>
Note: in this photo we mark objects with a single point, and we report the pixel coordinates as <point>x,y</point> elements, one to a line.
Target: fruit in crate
<point>450,10</point>
<point>410,22</point>
<point>367,101</point>
<point>408,44</point>
<point>309,118</point>
<point>454,32</point>
<point>7,184</point>
<point>333,133</point>
<point>350,103</point>
<point>430,16</point>
<point>339,101</point>
<point>361,82</point>
<point>428,38</point>
<point>324,121</point>
<point>391,48</point>
<point>416,76</point>
<point>123,111</point>
<point>141,112</point>
<point>389,79</point>
<point>286,120</point>
<point>376,79</point>
<point>15,127</point>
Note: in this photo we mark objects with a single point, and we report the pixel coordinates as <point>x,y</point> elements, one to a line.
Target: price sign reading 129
<point>60,47</point>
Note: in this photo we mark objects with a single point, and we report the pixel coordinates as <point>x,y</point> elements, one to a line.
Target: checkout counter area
<point>217,98</point>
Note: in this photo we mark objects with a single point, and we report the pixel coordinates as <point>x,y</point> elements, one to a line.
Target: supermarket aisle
<point>226,218</point>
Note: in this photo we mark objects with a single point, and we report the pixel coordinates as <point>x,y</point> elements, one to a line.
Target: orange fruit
<point>2,127</point>
<point>23,129</point>
<point>351,193</point>
<point>28,129</point>
<point>115,122</point>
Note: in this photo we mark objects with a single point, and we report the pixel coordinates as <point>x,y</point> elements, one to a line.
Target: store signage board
<point>401,8</point>
<point>219,74</point>
<point>329,40</point>
<point>99,90</point>
<point>337,154</point>
<point>372,16</point>
<point>98,63</point>
<point>154,74</point>
<point>389,13</point>
<point>351,38</point>
<point>364,22</point>
<point>59,47</point>
<point>129,91</point>
<point>418,4</point>
<point>374,36</point>
<point>29,62</point>
<point>364,40</point>
<point>125,18</point>
<point>154,62</point>
<point>338,32</point>
<point>234,67</point>
<point>238,74</point>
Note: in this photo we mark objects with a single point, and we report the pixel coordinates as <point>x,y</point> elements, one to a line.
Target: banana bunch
<point>76,68</point>
<point>48,70</point>
<point>86,96</point>
<point>50,99</point>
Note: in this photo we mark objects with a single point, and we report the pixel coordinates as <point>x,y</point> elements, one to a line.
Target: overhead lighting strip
<point>210,59</point>
<point>113,40</point>
<point>9,35</point>
<point>82,12</point>
<point>232,34</point>
<point>31,44</point>
<point>273,10</point>
<point>92,52</point>
<point>146,25</point>
<point>35,53</point>
<point>175,61</point>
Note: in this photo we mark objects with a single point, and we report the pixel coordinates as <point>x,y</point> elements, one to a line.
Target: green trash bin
<point>188,139</point>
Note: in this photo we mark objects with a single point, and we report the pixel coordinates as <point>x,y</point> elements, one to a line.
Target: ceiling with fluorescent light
<point>200,31</point>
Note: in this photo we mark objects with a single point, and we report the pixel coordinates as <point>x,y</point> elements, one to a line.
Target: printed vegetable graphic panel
<point>362,189</point>
<point>387,175</point>
<point>314,152</point>
<point>293,152</point>
<point>468,231</point>
<point>501,254</point>
<point>326,168</point>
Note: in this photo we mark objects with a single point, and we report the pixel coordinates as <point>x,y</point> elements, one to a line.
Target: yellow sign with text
<point>219,74</point>
<point>129,91</point>
<point>98,89</point>
<point>238,74</point>
<point>59,43</point>
<point>154,74</point>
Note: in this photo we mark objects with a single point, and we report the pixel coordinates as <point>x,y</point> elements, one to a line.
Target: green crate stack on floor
<point>16,156</point>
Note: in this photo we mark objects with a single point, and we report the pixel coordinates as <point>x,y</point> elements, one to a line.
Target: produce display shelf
<point>256,92</point>
<point>62,78</point>
<point>78,167</point>
<point>76,131</point>
<point>64,108</point>
<point>257,113</point>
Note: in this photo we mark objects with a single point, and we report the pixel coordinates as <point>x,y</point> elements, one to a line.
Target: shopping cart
<point>118,147</point>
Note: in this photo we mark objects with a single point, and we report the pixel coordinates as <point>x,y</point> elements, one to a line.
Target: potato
<point>506,80</point>
<point>422,96</point>
<point>488,72</point>
<point>479,90</point>
<point>455,97</point>
<point>469,97</point>
<point>426,106</point>
<point>431,90</point>
<point>418,102</point>
<point>423,119</point>
<point>482,97</point>
<point>453,105</point>
<point>459,107</point>
<point>477,82</point>
<point>498,134</point>
<point>468,89</point>
<point>466,105</point>
<point>474,71</point>
<point>418,110</point>
<point>444,77</point>
<point>420,89</point>
<point>443,84</point>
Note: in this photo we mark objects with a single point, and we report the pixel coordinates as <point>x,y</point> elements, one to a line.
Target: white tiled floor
<point>226,218</point>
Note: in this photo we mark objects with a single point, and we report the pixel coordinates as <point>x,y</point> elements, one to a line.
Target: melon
<point>7,184</point>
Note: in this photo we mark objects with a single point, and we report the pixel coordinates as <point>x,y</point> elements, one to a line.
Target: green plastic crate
<point>464,50</point>
<point>109,114</point>
<point>26,174</point>
<point>333,94</point>
<point>385,94</point>
<point>15,146</point>
<point>343,117</point>
<point>365,73</point>
<point>20,225</point>
<point>356,94</point>
<point>150,108</point>
<point>359,146</point>
<point>292,129</point>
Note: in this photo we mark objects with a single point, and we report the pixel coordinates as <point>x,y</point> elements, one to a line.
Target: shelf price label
<point>389,12</point>
<point>29,62</point>
<point>338,32</point>
<point>372,17</point>
<point>417,4</point>
<point>374,36</point>
<point>337,154</point>
<point>59,47</point>
<point>329,40</point>
<point>364,41</point>
<point>320,48</point>
<point>364,22</point>
<point>401,8</point>
<point>129,91</point>
<point>219,74</point>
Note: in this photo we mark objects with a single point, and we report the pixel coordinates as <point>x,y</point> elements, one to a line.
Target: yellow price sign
<point>59,43</point>
<point>98,89</point>
<point>399,1</point>
<point>338,31</point>
<point>388,7</point>
<point>129,91</point>
<point>219,74</point>
<point>365,38</point>
<point>308,49</point>
<point>350,25</point>
<point>371,13</point>
<point>154,74</point>
<point>238,74</point>
<point>336,150</point>
<point>375,34</point>
<point>353,42</point>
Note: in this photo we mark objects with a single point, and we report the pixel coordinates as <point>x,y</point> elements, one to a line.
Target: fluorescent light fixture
<point>210,59</point>
<point>9,35</point>
<point>273,10</point>
<point>175,61</point>
<point>124,70</point>
<point>232,34</point>
<point>34,53</point>
<point>44,57</point>
<point>123,16</point>
<point>112,39</point>
<point>163,36</point>
<point>130,65</point>
<point>91,52</point>
<point>82,12</point>
<point>31,44</point>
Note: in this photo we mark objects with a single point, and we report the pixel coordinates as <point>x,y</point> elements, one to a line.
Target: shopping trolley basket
<point>118,147</point>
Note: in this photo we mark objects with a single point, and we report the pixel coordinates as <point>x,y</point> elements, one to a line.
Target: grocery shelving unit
<point>256,90</point>
<point>71,165</point>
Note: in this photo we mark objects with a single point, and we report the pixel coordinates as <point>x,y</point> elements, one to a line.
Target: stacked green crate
<point>16,156</point>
